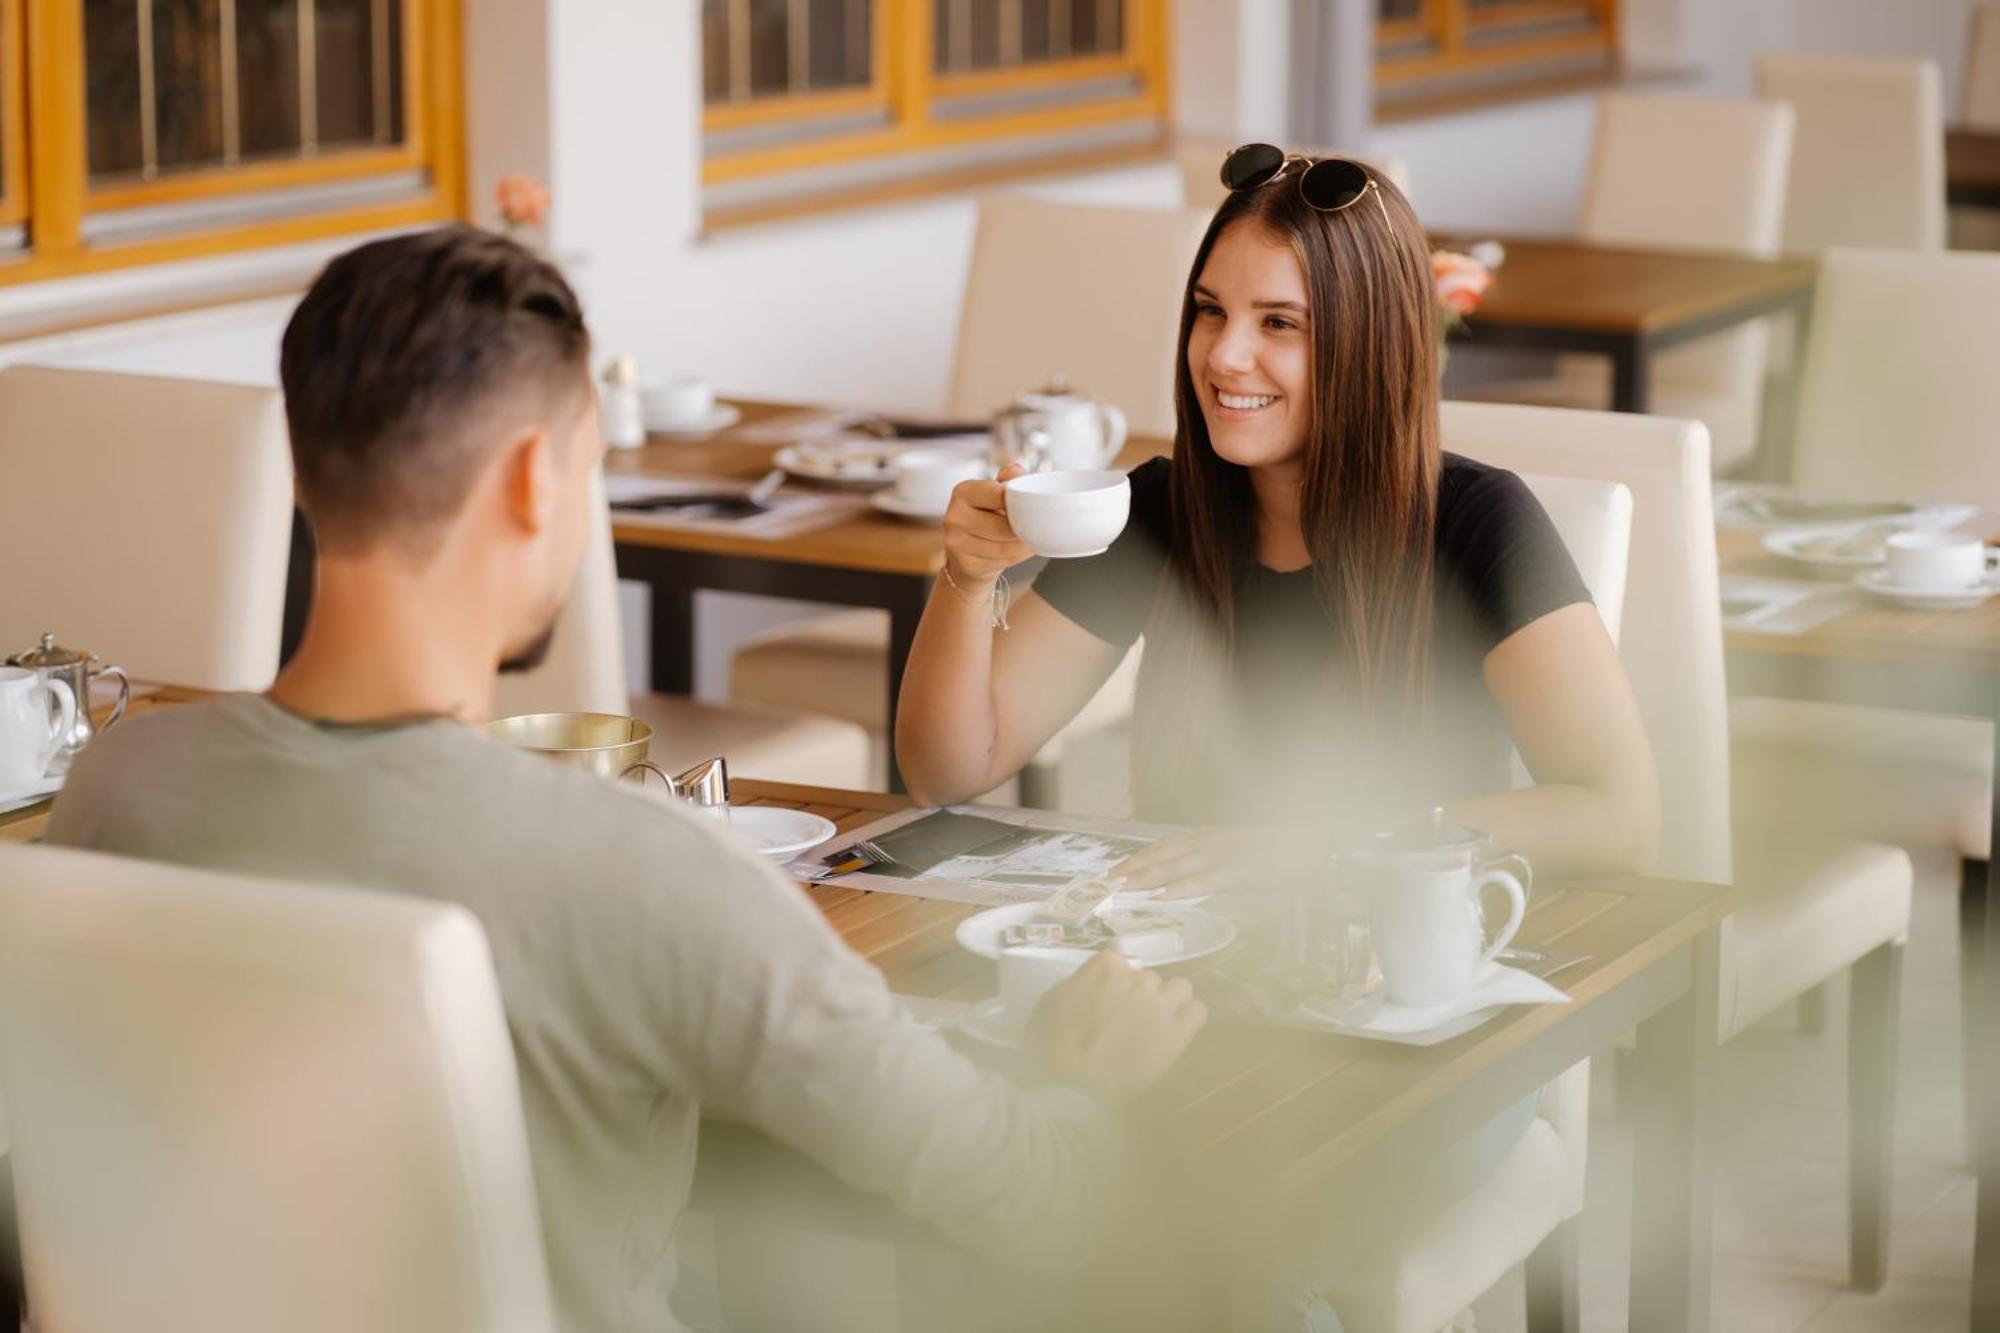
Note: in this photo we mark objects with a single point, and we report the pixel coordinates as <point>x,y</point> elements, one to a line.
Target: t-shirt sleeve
<point>777,1023</point>
<point>1111,595</point>
<point>1506,554</point>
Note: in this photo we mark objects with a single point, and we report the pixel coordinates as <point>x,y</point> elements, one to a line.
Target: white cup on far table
<point>1935,561</point>
<point>682,401</point>
<point>1066,514</point>
<point>1030,971</point>
<point>925,478</point>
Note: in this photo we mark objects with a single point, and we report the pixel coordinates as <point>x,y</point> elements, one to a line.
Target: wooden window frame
<point>905,87</point>
<point>54,158</point>
<point>13,116</point>
<point>1449,25</point>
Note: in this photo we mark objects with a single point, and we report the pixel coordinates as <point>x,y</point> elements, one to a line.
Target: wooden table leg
<point>1631,376</point>
<point>1986,1133</point>
<point>1673,1188</point>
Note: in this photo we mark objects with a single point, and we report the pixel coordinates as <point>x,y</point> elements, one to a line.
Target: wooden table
<point>870,560</point>
<point>1626,304</point>
<point>1265,1125</point>
<point>1972,167</point>
<point>1924,661</point>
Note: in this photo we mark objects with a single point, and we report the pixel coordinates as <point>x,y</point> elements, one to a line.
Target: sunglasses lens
<point>1251,165</point>
<point>1333,183</point>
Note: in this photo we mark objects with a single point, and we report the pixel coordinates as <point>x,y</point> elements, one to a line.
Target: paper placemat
<point>791,512</point>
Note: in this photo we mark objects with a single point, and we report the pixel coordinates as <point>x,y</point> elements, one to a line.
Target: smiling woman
<point>1344,626</point>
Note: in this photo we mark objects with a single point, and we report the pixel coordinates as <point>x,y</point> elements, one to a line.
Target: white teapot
<point>1057,429</point>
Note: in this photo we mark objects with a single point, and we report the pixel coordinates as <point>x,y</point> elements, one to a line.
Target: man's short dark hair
<point>395,364</point>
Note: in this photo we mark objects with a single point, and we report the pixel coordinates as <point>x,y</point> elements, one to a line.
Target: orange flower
<point>524,201</point>
<point>1461,281</point>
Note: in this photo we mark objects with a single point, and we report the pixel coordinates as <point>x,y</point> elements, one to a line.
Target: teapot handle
<point>60,735</point>
<point>124,693</point>
<point>1114,433</point>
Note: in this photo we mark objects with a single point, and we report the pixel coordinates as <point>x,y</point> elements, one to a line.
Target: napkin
<point>1495,984</point>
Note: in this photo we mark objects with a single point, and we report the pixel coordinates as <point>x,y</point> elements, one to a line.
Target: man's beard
<point>530,655</point>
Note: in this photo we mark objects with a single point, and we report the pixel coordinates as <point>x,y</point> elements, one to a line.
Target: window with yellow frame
<point>138,131</point>
<point>811,96</point>
<point>1429,46</point>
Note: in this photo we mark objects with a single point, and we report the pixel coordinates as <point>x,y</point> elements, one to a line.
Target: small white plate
<point>840,463</point>
<point>779,833</point>
<point>891,503</point>
<point>1818,548</point>
<point>720,417</point>
<point>1876,581</point>
<point>1202,933</point>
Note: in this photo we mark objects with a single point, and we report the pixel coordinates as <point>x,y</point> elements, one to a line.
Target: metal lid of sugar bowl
<point>48,653</point>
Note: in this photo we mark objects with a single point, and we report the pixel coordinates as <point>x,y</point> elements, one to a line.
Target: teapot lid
<point>48,653</point>
<point>1057,387</point>
<point>1429,836</point>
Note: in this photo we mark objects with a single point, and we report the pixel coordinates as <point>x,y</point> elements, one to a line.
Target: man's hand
<point>1114,1027</point>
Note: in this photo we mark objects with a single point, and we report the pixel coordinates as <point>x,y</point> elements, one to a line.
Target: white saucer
<point>891,503</point>
<point>1876,581</point>
<point>1796,545</point>
<point>1202,933</point>
<point>840,463</point>
<point>779,833</point>
<point>720,417</point>
<point>986,1022</point>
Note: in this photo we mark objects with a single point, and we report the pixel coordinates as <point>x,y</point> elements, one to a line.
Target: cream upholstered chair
<point>1200,161</point>
<point>1861,120</point>
<point>1683,172</point>
<point>1415,1282</point>
<point>246,1104</point>
<point>1896,356</point>
<point>1090,293</point>
<point>1813,905</point>
<point>147,520</point>
<point>585,669</point>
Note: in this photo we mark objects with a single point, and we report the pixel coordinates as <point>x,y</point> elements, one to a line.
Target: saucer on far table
<point>779,833</point>
<point>1876,581</point>
<point>718,418</point>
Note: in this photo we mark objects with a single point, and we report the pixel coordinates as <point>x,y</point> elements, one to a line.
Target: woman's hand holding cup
<point>979,543</point>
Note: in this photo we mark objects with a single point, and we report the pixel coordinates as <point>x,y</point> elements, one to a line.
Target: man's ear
<point>527,482</point>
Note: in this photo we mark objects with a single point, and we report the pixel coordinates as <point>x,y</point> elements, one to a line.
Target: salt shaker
<point>620,415</point>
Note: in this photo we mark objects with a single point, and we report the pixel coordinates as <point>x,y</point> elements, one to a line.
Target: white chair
<point>585,670</point>
<point>147,520</point>
<point>1683,172</point>
<point>245,1104</point>
<point>1200,161</point>
<point>1083,291</point>
<point>1813,904</point>
<point>1417,1282</point>
<point>1868,155</point>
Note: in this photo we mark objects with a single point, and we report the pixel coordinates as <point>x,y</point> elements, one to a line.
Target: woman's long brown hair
<point>1372,457</point>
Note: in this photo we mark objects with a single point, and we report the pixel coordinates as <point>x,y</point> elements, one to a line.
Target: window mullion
<point>378,52</point>
<point>149,105</point>
<point>232,91</point>
<point>56,151</point>
<point>308,20</point>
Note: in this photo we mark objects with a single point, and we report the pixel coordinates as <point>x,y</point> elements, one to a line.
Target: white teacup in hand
<point>1065,514</point>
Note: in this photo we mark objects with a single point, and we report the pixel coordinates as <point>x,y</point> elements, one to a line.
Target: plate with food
<point>1832,550</point>
<point>1152,934</point>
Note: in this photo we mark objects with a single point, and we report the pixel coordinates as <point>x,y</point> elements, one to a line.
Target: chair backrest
<point>1868,153</point>
<point>585,666</point>
<point>1678,170</point>
<point>1672,641</point>
<point>1896,397</point>
<point>1981,96</point>
<point>249,1104</point>
<point>146,520</point>
<point>1594,520</point>
<point>1090,293</point>
<point>1200,161</point>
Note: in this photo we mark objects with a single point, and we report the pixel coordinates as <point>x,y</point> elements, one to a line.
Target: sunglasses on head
<point>1328,184</point>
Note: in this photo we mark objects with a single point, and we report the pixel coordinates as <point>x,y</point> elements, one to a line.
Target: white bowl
<point>1067,514</point>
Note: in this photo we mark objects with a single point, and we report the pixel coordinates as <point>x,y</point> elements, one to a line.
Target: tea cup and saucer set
<point>1934,571</point>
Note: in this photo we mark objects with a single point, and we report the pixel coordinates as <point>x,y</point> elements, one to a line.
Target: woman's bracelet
<point>999,598</point>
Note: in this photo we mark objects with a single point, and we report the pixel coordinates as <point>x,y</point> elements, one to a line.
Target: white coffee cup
<point>1030,971</point>
<point>1066,514</point>
<point>1935,561</point>
<point>36,715</point>
<point>677,402</point>
<point>925,478</point>
<point>1429,934</point>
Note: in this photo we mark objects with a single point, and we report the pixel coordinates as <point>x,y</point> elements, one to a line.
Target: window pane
<point>715,50</point>
<point>837,48</point>
<point>267,76</point>
<point>111,86</point>
<point>1399,9</point>
<point>1036,34</point>
<point>347,61</point>
<point>187,81</point>
<point>770,64</point>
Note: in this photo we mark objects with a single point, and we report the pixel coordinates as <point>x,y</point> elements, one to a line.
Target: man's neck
<point>384,643</point>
